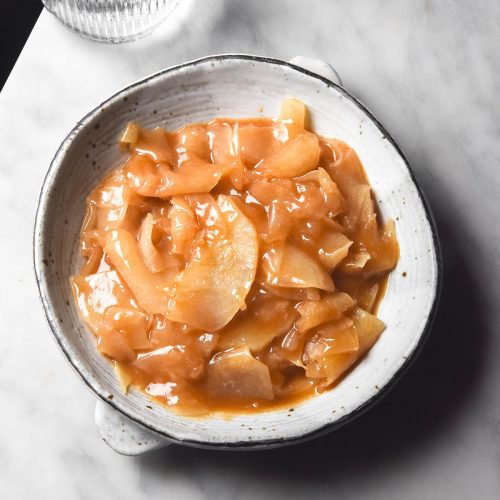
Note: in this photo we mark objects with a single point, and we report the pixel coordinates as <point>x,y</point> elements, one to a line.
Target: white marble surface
<point>431,72</point>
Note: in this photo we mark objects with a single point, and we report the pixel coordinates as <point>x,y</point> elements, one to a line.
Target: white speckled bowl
<point>234,86</point>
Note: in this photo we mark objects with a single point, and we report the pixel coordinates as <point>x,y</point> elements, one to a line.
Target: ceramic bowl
<point>235,86</point>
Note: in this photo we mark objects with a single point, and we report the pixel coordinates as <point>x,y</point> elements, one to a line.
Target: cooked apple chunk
<point>214,285</point>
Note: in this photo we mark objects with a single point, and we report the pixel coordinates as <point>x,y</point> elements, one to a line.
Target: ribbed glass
<point>111,21</point>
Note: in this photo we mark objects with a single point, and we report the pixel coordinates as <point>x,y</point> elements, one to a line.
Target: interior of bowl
<point>236,86</point>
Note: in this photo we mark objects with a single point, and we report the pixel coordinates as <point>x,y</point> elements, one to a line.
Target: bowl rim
<point>59,335</point>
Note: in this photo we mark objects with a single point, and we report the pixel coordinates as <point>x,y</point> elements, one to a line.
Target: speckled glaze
<point>234,86</point>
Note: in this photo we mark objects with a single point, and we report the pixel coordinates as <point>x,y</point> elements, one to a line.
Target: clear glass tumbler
<point>111,21</point>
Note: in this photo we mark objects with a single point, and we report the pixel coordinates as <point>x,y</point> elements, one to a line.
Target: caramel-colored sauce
<point>234,266</point>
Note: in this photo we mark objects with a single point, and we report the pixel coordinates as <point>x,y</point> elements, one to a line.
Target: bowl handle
<point>123,435</point>
<point>317,66</point>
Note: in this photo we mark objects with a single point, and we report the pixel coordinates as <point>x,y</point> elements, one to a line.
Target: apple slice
<point>148,288</point>
<point>368,327</point>
<point>235,373</point>
<point>316,312</point>
<point>133,324</point>
<point>259,325</point>
<point>289,266</point>
<point>114,345</point>
<point>257,142</point>
<point>224,151</point>
<point>333,363</point>
<point>157,259</point>
<point>157,144</point>
<point>183,225</point>
<point>162,181</point>
<point>333,248</point>
<point>214,284</point>
<point>97,292</point>
<point>293,112</point>
<point>296,157</point>
<point>124,378</point>
<point>326,343</point>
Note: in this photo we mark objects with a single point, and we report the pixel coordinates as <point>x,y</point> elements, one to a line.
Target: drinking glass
<point>111,21</point>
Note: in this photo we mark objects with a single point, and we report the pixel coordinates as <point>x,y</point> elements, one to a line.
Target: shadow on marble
<point>428,399</point>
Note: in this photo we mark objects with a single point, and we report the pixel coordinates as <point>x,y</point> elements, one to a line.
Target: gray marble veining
<point>431,72</point>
